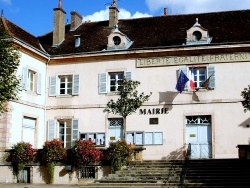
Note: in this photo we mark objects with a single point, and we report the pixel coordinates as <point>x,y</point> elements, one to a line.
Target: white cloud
<point>104,15</point>
<point>196,6</point>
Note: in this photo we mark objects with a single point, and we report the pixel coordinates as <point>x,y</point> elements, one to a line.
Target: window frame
<point>197,75</point>
<point>53,130</point>
<point>116,81</point>
<point>104,81</point>
<point>65,80</point>
<point>31,80</point>
<point>34,128</point>
<point>209,72</point>
<point>55,85</point>
<point>153,137</point>
<point>95,134</point>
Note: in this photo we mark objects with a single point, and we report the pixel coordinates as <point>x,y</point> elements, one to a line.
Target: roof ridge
<point>5,25</point>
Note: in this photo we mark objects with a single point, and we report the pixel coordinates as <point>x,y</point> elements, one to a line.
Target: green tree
<point>246,95</point>
<point>9,62</point>
<point>128,102</point>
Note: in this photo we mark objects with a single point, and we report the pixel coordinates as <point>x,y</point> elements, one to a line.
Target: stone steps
<point>226,173</point>
<point>209,173</point>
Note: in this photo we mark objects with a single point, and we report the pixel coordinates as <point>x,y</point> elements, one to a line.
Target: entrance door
<point>115,129</point>
<point>200,137</point>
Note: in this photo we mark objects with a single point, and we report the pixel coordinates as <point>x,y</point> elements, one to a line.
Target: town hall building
<point>71,73</point>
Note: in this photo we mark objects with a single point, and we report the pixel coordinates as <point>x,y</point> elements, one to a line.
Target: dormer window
<point>118,41</point>
<point>77,40</point>
<point>197,35</point>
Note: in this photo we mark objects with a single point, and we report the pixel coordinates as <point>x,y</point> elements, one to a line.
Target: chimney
<point>59,25</point>
<point>113,14</point>
<point>76,20</point>
<point>165,11</point>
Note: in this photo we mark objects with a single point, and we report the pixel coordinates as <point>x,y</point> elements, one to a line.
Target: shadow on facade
<point>167,97</point>
<point>176,154</point>
<point>43,173</point>
<point>245,124</point>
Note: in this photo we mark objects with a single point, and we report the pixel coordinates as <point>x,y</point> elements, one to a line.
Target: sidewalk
<point>28,185</point>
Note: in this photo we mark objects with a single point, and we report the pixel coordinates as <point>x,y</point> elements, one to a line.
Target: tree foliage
<point>9,62</point>
<point>129,100</point>
<point>246,95</point>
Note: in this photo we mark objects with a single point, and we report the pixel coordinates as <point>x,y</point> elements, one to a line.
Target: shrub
<point>21,154</point>
<point>84,152</point>
<point>52,153</point>
<point>119,153</point>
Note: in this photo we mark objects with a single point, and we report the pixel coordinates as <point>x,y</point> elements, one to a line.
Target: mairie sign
<point>153,111</point>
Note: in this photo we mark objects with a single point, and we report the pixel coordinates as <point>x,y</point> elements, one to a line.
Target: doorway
<point>199,135</point>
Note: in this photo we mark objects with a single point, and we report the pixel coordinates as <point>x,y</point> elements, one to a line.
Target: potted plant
<point>83,153</point>
<point>52,153</point>
<point>20,154</point>
<point>119,154</point>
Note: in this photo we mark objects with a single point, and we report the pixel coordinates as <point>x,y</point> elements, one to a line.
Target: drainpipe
<point>45,100</point>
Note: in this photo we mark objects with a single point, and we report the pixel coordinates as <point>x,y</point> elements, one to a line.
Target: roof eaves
<point>44,53</point>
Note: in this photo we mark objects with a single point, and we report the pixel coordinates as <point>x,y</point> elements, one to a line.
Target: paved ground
<point>25,185</point>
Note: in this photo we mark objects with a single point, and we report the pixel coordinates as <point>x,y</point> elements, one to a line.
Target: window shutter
<point>52,86</point>
<point>102,79</point>
<point>25,78</point>
<point>75,133</point>
<point>76,81</point>
<point>39,83</point>
<point>128,75</point>
<point>184,70</point>
<point>51,129</point>
<point>211,72</point>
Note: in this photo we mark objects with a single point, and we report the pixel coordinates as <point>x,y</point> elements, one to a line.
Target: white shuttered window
<point>64,130</point>
<point>64,85</point>
<point>110,82</point>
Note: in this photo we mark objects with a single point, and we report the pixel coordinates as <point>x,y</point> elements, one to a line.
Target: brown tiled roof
<point>162,31</point>
<point>19,33</point>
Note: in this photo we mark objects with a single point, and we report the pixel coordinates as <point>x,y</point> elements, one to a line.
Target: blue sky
<point>36,16</point>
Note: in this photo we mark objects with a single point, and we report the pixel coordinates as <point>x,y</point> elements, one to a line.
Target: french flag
<point>191,80</point>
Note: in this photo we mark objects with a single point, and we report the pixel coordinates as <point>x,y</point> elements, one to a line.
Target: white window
<point>202,76</point>
<point>97,138</point>
<point>64,85</point>
<point>110,82</point>
<point>135,138</point>
<point>29,130</point>
<point>31,80</point>
<point>65,130</point>
<point>153,138</point>
<point>145,138</point>
<point>115,129</point>
<point>115,81</point>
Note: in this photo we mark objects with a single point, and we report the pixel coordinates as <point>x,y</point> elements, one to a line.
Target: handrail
<point>184,169</point>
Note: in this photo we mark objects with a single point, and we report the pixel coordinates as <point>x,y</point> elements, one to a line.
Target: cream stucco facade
<point>64,95</point>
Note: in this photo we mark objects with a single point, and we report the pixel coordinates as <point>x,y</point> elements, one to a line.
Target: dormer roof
<point>118,41</point>
<point>197,35</point>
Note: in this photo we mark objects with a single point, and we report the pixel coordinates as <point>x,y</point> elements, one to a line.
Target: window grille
<point>115,122</point>
<point>88,172</point>
<point>198,119</point>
